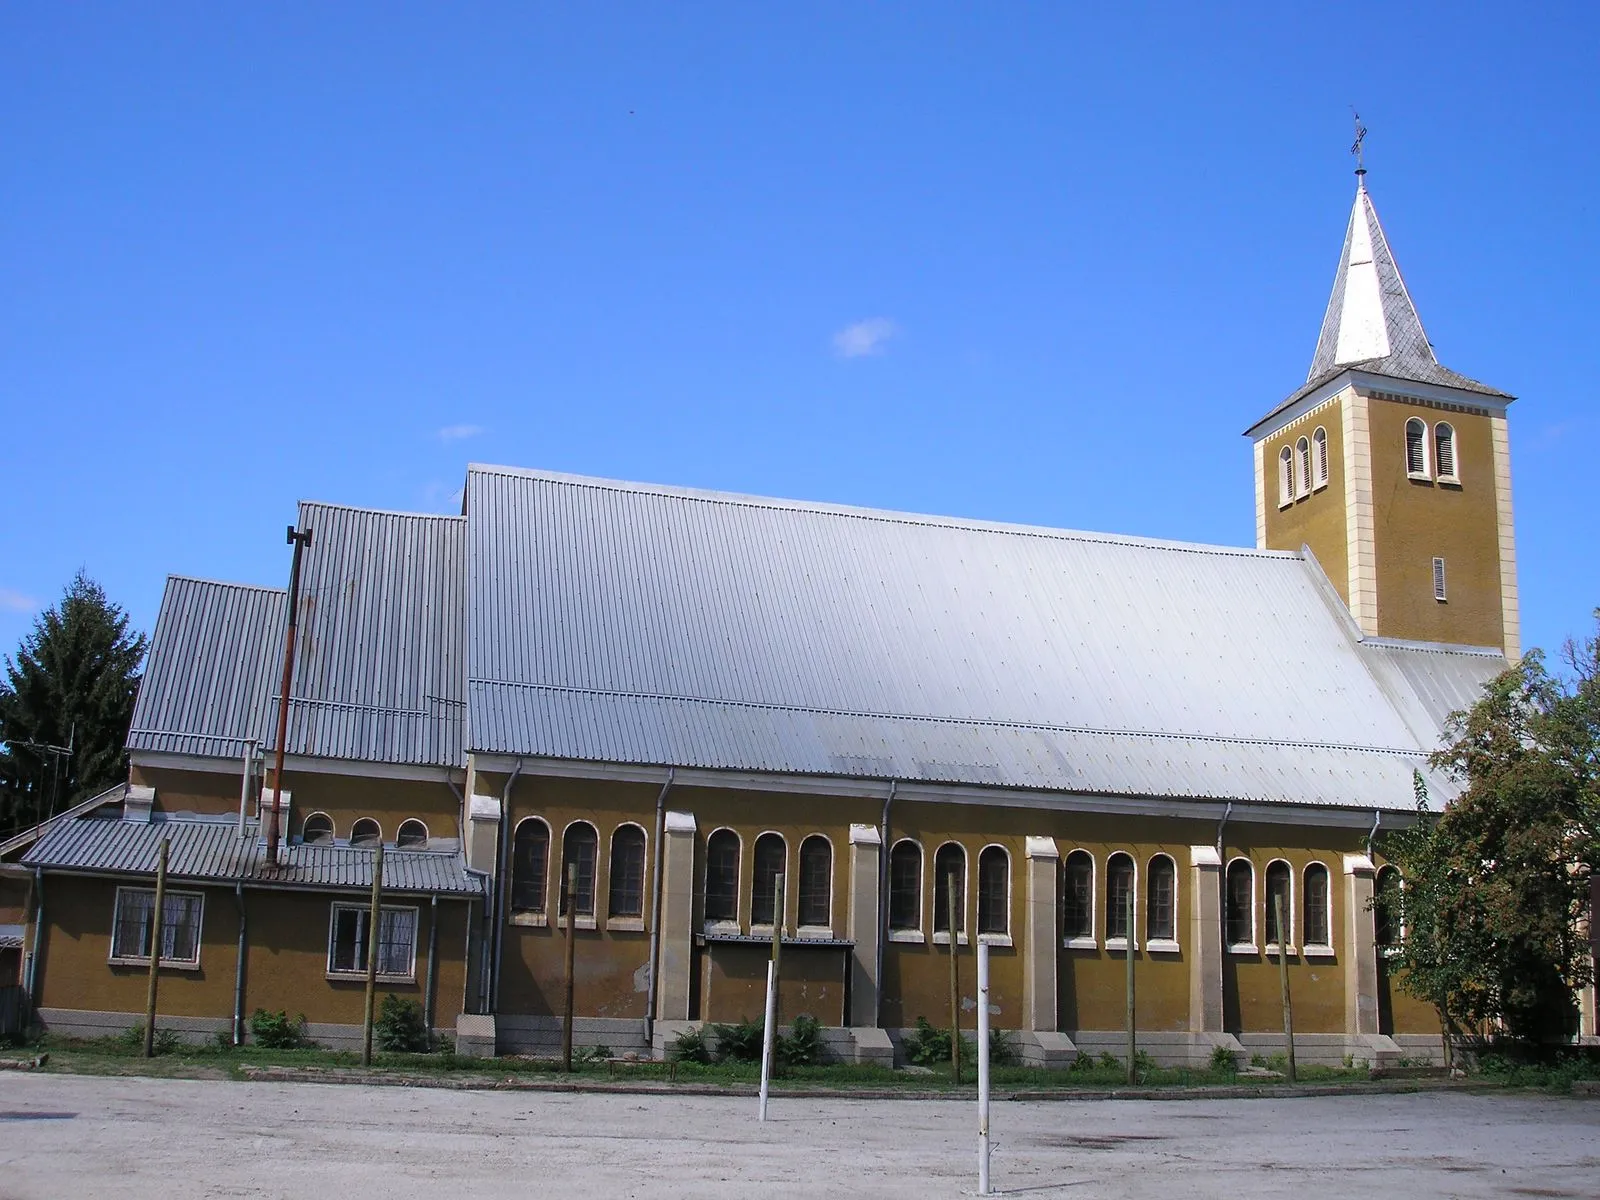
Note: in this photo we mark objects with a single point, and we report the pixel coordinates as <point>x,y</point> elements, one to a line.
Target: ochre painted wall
<point>190,791</point>
<point>811,981</point>
<point>1317,520</point>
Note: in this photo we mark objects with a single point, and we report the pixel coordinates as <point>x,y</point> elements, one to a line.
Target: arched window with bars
<point>721,897</point>
<point>1077,897</point>
<point>905,887</point>
<point>1239,919</point>
<point>1280,897</point>
<point>816,882</point>
<point>994,891</point>
<point>1119,892</point>
<point>530,855</point>
<point>949,863</point>
<point>770,855</point>
<point>580,847</point>
<point>1317,927</point>
<point>625,889</point>
<point>1161,900</point>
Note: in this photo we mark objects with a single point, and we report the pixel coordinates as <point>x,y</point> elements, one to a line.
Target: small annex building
<point>685,694</point>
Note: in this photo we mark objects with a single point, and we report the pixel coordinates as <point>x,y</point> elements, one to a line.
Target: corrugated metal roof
<point>628,623</point>
<point>214,851</point>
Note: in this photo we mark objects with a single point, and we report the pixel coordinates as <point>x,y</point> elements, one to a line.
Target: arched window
<point>1077,896</point>
<point>1318,922</point>
<point>1279,892</point>
<point>1240,921</point>
<point>951,860</point>
<point>530,858</point>
<point>1417,449</point>
<point>580,846</point>
<point>722,876</point>
<point>905,885</point>
<point>994,890</point>
<point>1387,929</point>
<point>366,833</point>
<point>816,882</point>
<point>1119,890</point>
<point>318,830</point>
<point>1444,451</point>
<point>1302,468</point>
<point>1161,902</point>
<point>625,896</point>
<point>413,835</point>
<point>1285,477</point>
<point>770,855</point>
<point>1319,457</point>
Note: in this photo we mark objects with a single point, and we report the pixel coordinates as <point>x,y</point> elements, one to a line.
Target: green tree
<point>1496,886</point>
<point>72,682</point>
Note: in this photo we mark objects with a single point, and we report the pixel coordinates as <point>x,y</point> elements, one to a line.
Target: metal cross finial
<point>1361,136</point>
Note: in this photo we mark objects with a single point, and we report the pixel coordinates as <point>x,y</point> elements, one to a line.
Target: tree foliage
<point>71,683</point>
<point>1497,884</point>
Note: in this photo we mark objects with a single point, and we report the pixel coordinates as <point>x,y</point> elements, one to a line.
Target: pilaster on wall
<point>1040,942</point>
<point>1510,612</point>
<point>1205,940</point>
<point>1360,528</point>
<point>1360,951</point>
<point>1261,494</point>
<point>866,922</point>
<point>677,917</point>
<point>483,832</point>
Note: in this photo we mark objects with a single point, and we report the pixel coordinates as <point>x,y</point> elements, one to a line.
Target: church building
<point>1072,746</point>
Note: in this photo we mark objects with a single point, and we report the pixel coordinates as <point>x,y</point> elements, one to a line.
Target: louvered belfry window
<point>1319,441</point>
<point>1444,450</point>
<point>1302,467</point>
<point>1286,476</point>
<point>1438,579</point>
<point>1416,448</point>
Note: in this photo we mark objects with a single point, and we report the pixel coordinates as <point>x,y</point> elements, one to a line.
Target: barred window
<point>771,852</point>
<point>816,882</point>
<point>994,890</point>
<point>580,846</point>
<point>1077,896</point>
<point>951,860</point>
<point>348,944</point>
<point>722,876</point>
<point>626,898</point>
<point>1316,929</point>
<point>133,923</point>
<point>1161,905</point>
<point>1278,893</point>
<point>530,858</point>
<point>1119,889</point>
<point>905,885</point>
<point>1239,919</point>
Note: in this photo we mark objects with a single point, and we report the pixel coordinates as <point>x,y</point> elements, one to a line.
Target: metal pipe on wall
<point>883,903</point>
<point>655,912</point>
<point>433,958</point>
<point>503,859</point>
<point>238,971</point>
<point>299,541</point>
<point>38,939</point>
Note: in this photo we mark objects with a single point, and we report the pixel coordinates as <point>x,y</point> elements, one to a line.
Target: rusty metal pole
<point>572,958</point>
<point>299,541</point>
<point>1283,983</point>
<point>374,924</point>
<point>156,924</point>
<point>955,980</point>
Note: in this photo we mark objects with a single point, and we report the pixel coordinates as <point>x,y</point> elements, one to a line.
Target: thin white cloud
<point>12,600</point>
<point>455,433</point>
<point>864,337</point>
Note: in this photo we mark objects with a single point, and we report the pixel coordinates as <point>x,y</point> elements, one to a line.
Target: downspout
<point>1223,824</point>
<point>238,971</point>
<point>38,939</point>
<point>883,901</point>
<point>466,953</point>
<point>655,912</point>
<point>1372,834</point>
<point>504,860</point>
<point>433,958</point>
<point>483,965</point>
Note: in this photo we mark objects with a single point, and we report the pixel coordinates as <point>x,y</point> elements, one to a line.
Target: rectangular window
<point>1438,579</point>
<point>180,925</point>
<point>348,944</point>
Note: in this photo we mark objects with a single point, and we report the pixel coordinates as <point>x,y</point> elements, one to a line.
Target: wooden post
<point>157,923</point>
<point>1132,1047</point>
<point>955,981</point>
<point>572,958</point>
<point>374,922</point>
<point>1283,982</point>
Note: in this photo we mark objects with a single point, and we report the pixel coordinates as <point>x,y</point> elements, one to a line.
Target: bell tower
<point>1395,470</point>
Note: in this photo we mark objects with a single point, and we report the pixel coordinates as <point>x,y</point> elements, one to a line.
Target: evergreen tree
<point>72,682</point>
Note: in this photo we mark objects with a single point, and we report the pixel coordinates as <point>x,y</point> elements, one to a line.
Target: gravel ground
<point>169,1139</point>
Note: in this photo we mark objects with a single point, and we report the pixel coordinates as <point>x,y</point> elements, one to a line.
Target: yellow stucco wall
<point>1317,520</point>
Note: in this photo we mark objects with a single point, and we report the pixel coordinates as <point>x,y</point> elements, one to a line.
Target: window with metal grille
<point>1239,920</point>
<point>1444,450</point>
<point>949,864</point>
<point>1077,896</point>
<point>1302,467</point>
<point>1161,903</point>
<point>1438,579</point>
<point>318,830</point>
<point>1119,890</point>
<point>1316,929</point>
<point>580,846</point>
<point>530,856</point>
<point>348,945</point>
<point>905,886</point>
<point>770,855</point>
<point>1285,476</point>
<point>625,895</point>
<point>816,882</point>
<point>1417,449</point>
<point>1278,893</point>
<point>1319,443</point>
<point>412,835</point>
<point>994,890</point>
<point>722,876</point>
<point>133,923</point>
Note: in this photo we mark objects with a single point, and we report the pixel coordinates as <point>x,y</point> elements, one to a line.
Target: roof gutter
<point>651,968</point>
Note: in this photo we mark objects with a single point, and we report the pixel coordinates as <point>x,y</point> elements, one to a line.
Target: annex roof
<point>639,624</point>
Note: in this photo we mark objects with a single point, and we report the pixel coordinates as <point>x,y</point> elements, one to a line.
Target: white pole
<point>983,1069</point>
<point>766,1033</point>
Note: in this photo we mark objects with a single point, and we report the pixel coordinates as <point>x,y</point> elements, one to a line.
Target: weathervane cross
<point>1361,136</point>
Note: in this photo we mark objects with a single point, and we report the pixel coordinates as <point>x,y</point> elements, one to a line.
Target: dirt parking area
<point>170,1139</point>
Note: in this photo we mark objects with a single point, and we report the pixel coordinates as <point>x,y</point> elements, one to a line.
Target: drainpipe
<point>246,775</point>
<point>1223,824</point>
<point>655,912</point>
<point>433,958</point>
<point>483,965</point>
<point>1372,835</point>
<point>38,939</point>
<point>504,860</point>
<point>238,971</point>
<point>883,900</point>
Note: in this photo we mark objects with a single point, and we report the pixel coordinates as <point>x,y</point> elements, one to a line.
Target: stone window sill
<point>942,938</point>
<point>1080,943</point>
<point>1244,948</point>
<point>995,939</point>
<point>1320,952</point>
<point>911,937</point>
<point>529,919</point>
<point>361,977</point>
<point>625,925</point>
<point>1162,946</point>
<point>167,964</point>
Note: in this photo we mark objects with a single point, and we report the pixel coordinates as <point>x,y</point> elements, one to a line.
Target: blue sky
<point>1037,263</point>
